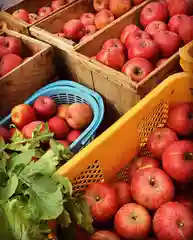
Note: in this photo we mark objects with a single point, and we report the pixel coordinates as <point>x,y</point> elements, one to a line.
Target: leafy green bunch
<point>31,193</point>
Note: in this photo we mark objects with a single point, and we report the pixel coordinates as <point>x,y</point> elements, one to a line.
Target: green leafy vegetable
<point>30,191</point>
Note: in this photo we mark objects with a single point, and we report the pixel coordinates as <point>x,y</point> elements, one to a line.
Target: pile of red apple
<point>66,121</point>
<point>106,11</point>
<point>10,54</point>
<point>157,200</point>
<point>165,27</point>
<point>24,15</point>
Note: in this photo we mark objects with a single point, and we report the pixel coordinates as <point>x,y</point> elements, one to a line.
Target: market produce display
<point>24,15</point>
<point>157,200</point>
<point>10,54</point>
<point>67,121</point>
<point>164,28</point>
<point>106,11</point>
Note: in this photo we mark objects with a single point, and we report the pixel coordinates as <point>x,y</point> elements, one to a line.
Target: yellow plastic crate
<point>109,155</point>
<point>186,57</point>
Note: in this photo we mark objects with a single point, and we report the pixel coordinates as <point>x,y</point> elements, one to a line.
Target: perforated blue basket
<point>67,92</point>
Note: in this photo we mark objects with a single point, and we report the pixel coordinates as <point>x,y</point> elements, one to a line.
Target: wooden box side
<point>20,83</point>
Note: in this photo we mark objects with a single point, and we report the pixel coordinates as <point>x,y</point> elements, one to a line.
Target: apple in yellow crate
<point>21,14</point>
<point>10,45</point>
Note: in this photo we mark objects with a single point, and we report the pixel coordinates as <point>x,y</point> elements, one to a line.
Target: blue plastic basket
<point>66,92</point>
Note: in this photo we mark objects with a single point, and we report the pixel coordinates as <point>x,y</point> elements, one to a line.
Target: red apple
<point>168,42</point>
<point>103,18</point>
<point>132,221</point>
<point>185,200</point>
<point>104,235</point>
<point>128,30</point>
<point>56,4</point>
<point>102,201</point>
<point>155,26</point>
<point>4,133</point>
<point>173,221</point>
<point>180,118</point>
<point>79,115</point>
<point>123,193</point>
<point>137,2</point>
<point>90,29</point>
<point>137,69</point>
<point>87,18</point>
<point>159,140</point>
<point>178,161</point>
<point>33,18</point>
<point>175,21</point>
<point>22,114</point>
<point>186,30</point>
<point>111,57</point>
<point>114,42</point>
<point>73,135</point>
<point>65,143</point>
<point>44,11</point>
<point>151,187</point>
<point>11,45</point>
<point>45,107</point>
<point>161,61</point>
<point>142,163</point>
<point>8,63</point>
<point>60,34</point>
<point>21,14</point>
<point>143,48</point>
<point>153,11</point>
<point>177,7</point>
<point>100,5</point>
<point>28,129</point>
<point>119,7</point>
<point>59,127</point>
<point>74,29</point>
<point>134,36</point>
<point>62,110</point>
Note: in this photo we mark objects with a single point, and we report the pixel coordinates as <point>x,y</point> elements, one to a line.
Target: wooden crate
<point>54,24</point>
<point>31,6</point>
<point>20,83</point>
<point>119,95</point>
<point>93,46</point>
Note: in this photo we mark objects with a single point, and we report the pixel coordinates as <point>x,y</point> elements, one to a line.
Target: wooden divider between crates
<point>20,83</point>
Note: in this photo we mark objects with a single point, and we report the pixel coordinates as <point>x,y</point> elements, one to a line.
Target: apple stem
<point>97,198</point>
<point>188,156</point>
<point>152,181</point>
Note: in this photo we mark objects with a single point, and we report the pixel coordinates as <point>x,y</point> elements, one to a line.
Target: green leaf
<point>22,229</point>
<point>45,198</point>
<point>3,178</point>
<point>67,186</point>
<point>46,165</point>
<point>64,219</point>
<point>10,188</point>
<point>87,219</point>
<point>21,159</point>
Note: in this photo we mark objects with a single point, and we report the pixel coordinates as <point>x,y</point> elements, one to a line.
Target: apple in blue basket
<point>79,115</point>
<point>45,107</point>
<point>73,135</point>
